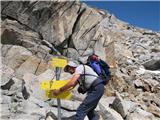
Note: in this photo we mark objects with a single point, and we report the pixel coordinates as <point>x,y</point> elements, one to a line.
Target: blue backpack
<point>101,68</point>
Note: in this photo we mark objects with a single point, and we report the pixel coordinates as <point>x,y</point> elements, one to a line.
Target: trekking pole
<point>58,72</point>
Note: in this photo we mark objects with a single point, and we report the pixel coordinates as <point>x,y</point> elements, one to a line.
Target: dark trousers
<point>90,103</point>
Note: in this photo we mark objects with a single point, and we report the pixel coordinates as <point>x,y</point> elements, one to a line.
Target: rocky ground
<point>34,32</point>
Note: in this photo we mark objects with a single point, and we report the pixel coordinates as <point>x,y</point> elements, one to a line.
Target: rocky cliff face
<point>34,32</point>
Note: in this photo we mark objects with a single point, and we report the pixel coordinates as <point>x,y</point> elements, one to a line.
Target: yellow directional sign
<point>58,62</point>
<point>48,86</point>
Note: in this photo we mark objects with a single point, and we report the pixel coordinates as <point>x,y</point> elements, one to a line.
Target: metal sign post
<point>49,85</point>
<point>58,64</point>
<point>58,72</point>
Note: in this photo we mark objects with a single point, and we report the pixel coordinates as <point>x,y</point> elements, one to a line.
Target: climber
<point>88,82</point>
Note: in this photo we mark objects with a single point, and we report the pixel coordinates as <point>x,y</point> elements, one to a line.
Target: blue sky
<point>144,14</point>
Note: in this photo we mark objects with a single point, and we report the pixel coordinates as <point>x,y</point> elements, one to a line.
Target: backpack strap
<point>88,74</point>
<point>91,75</point>
<point>83,80</point>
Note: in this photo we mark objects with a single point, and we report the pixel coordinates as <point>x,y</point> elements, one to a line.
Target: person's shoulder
<point>88,67</point>
<point>79,69</point>
<point>80,66</point>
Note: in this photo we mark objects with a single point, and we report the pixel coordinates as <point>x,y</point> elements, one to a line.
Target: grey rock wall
<point>32,32</point>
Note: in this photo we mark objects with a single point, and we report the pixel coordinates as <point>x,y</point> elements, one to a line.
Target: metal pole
<point>58,72</point>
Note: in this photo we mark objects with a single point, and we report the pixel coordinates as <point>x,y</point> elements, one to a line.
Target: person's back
<point>88,73</point>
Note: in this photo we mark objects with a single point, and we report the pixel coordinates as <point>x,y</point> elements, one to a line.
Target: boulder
<point>149,98</point>
<point>152,65</point>
<point>71,53</point>
<point>16,56</point>
<point>138,83</point>
<point>4,50</point>
<point>14,85</point>
<point>17,86</point>
<point>135,116</point>
<point>46,75</point>
<point>7,74</point>
<point>81,39</point>
<point>32,83</point>
<point>123,107</point>
<point>154,110</point>
<point>43,51</point>
<point>29,66</point>
<point>43,66</point>
<point>107,101</point>
<point>108,113</point>
<point>13,33</point>
<point>5,111</point>
<point>99,49</point>
<point>62,25</point>
<point>67,104</point>
<point>143,114</point>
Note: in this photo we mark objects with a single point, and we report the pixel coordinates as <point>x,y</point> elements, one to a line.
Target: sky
<point>144,14</point>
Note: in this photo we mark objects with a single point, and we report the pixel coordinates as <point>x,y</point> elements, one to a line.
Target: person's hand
<point>56,92</point>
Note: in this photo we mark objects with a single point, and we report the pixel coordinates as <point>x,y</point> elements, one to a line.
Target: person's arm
<point>71,84</point>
